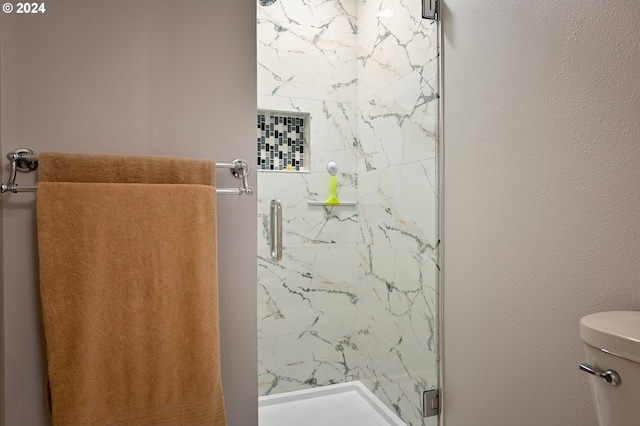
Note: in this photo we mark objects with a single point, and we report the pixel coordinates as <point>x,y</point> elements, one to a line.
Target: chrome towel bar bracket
<point>26,160</point>
<point>22,160</point>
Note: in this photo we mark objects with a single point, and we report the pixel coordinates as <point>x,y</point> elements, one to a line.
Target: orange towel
<point>128,280</point>
<point>123,168</point>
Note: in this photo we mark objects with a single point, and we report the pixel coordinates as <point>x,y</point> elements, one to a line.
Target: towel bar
<point>26,160</point>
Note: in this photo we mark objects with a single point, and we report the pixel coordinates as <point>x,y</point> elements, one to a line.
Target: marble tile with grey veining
<point>391,43</point>
<point>397,124</point>
<point>354,297</point>
<point>313,55</point>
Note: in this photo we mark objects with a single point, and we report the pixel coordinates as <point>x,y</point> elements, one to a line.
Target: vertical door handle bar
<point>276,230</point>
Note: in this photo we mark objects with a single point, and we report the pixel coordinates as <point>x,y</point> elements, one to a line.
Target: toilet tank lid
<point>617,332</point>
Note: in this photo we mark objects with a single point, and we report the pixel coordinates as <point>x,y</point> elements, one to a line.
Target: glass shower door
<point>354,296</point>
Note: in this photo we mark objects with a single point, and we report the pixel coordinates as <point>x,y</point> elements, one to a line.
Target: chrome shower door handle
<point>609,376</point>
<point>276,230</point>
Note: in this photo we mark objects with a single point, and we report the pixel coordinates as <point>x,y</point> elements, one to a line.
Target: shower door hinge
<point>430,403</point>
<point>430,9</point>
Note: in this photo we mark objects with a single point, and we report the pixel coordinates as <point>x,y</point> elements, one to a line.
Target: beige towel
<point>128,281</point>
<point>123,168</point>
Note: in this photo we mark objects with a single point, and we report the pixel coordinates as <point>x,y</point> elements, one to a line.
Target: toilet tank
<point>612,343</point>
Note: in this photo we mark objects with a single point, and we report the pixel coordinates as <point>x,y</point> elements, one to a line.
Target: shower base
<point>344,404</point>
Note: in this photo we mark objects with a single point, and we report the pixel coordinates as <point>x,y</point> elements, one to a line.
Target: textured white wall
<point>541,200</point>
<point>161,77</point>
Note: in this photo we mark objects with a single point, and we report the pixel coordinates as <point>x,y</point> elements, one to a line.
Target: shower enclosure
<point>354,296</point>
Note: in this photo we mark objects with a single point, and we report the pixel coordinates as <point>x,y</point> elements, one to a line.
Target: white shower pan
<point>344,404</point>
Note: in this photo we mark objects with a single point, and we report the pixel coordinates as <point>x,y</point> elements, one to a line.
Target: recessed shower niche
<point>283,142</point>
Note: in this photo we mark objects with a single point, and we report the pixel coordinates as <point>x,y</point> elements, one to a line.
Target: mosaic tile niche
<point>282,140</point>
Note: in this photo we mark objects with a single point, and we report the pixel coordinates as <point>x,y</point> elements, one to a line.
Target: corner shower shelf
<point>324,203</point>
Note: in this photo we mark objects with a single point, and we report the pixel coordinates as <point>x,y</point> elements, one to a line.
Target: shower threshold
<point>344,404</point>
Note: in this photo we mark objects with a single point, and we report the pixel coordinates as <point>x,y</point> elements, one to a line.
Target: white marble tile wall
<point>397,82</point>
<point>307,49</point>
<point>397,195</point>
<point>355,294</point>
<point>307,302</point>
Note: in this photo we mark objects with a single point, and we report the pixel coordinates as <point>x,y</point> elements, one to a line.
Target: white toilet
<point>612,348</point>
